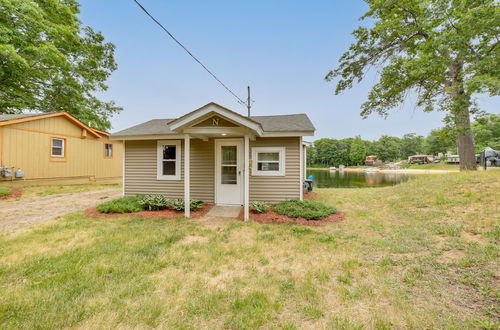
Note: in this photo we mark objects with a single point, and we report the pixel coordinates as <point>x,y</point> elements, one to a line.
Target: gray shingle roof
<point>285,123</point>
<point>6,117</point>
<point>280,123</point>
<point>152,127</point>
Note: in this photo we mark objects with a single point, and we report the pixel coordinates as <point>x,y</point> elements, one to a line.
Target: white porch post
<point>246,175</point>
<point>123,168</point>
<point>187,174</point>
<point>302,166</point>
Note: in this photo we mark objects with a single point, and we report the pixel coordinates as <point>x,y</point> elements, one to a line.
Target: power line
<point>190,54</point>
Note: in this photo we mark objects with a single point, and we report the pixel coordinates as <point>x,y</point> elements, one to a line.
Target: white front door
<point>228,171</point>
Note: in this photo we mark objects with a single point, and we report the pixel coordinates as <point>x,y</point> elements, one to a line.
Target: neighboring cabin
<point>56,146</point>
<point>218,156</point>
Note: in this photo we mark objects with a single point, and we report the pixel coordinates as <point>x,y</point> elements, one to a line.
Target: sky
<point>281,48</point>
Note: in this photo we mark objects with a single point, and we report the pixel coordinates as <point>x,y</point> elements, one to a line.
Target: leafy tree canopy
<point>50,62</point>
<point>487,132</point>
<point>443,51</point>
<point>358,150</point>
<point>440,141</point>
<point>352,151</point>
<point>411,144</point>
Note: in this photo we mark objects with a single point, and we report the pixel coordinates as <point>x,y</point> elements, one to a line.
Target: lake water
<point>342,179</point>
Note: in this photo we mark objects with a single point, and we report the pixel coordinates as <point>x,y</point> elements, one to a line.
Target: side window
<point>268,161</point>
<point>169,160</point>
<point>108,150</point>
<point>57,148</point>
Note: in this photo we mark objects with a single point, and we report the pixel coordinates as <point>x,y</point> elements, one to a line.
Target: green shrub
<point>126,204</point>
<point>154,202</point>
<point>308,209</point>
<point>259,207</point>
<point>4,191</point>
<point>178,204</point>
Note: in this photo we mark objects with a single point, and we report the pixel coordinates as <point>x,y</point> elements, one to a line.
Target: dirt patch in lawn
<point>191,239</point>
<point>14,193</point>
<point>273,217</point>
<point>451,256</point>
<point>164,214</point>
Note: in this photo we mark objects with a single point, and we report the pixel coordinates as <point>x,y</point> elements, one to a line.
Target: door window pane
<point>229,155</point>
<point>228,175</point>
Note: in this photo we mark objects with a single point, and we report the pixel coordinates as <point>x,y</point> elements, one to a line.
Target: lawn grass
<point>422,254</point>
<point>4,191</point>
<point>45,190</point>
<point>434,166</point>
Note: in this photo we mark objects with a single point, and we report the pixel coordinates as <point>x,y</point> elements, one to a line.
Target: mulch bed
<point>273,217</point>
<point>311,195</point>
<point>164,214</point>
<point>14,193</point>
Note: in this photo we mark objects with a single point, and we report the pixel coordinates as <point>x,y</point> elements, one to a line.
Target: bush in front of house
<point>126,204</point>
<point>4,191</point>
<point>178,204</point>
<point>259,207</point>
<point>154,202</point>
<point>308,209</point>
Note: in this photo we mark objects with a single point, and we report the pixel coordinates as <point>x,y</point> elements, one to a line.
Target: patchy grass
<point>127,204</point>
<point>42,190</point>
<point>4,191</point>
<point>422,254</point>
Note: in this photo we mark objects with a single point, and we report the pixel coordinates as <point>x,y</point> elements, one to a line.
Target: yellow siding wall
<point>27,146</point>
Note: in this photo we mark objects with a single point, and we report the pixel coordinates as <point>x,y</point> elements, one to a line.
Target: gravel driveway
<point>33,210</point>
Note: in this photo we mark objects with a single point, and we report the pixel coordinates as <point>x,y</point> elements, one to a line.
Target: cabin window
<point>108,150</point>
<point>57,147</point>
<point>169,160</point>
<point>268,161</point>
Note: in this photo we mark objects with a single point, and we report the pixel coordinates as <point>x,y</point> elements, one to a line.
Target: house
<point>218,156</point>
<point>372,161</point>
<point>56,147</point>
<point>455,159</point>
<point>420,159</point>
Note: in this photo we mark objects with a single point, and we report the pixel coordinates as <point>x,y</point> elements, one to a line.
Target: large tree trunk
<point>465,141</point>
<point>460,103</point>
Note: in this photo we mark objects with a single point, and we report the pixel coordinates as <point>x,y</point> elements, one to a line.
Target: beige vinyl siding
<point>278,188</point>
<point>140,169</point>
<point>27,146</point>
<point>141,174</point>
<point>202,170</point>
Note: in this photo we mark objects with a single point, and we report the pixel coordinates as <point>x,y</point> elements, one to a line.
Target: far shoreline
<point>401,171</point>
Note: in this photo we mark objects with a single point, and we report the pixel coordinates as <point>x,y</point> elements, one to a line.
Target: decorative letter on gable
<point>215,121</point>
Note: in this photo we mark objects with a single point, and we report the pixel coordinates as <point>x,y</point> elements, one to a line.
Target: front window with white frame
<point>169,160</point>
<point>268,161</point>
<point>57,147</point>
